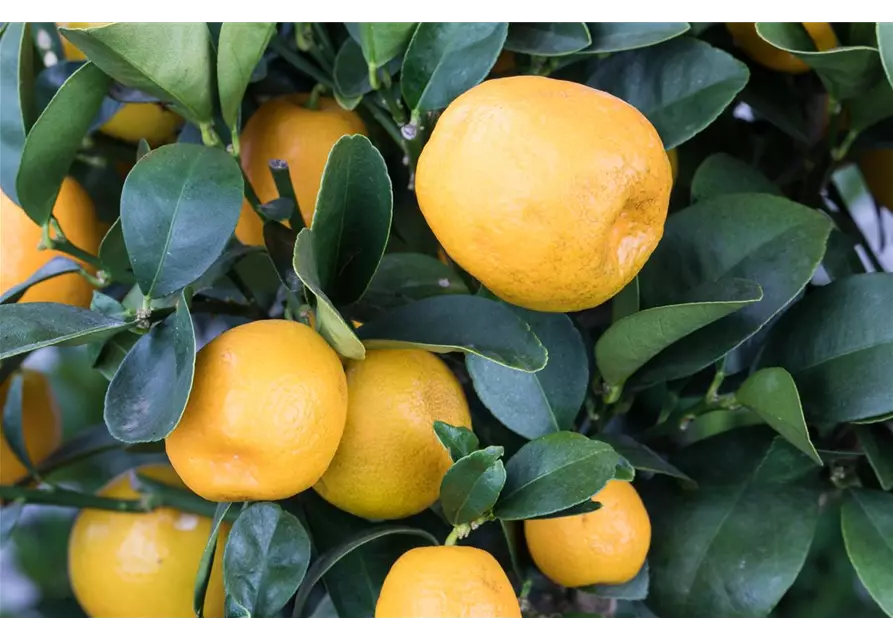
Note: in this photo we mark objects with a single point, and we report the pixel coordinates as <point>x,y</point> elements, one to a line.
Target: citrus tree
<point>448,319</point>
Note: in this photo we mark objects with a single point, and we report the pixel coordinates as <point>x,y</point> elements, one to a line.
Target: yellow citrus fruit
<point>447,582</point>
<point>746,37</point>
<point>551,193</point>
<point>142,565</point>
<point>265,415</point>
<point>20,236</point>
<point>133,121</point>
<point>285,129</point>
<point>40,425</point>
<point>390,463</point>
<point>607,546</point>
<point>877,169</point>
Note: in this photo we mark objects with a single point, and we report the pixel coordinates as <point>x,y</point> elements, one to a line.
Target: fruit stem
<point>394,105</point>
<point>60,243</point>
<point>458,532</point>
<point>285,188</point>
<point>313,101</point>
<point>373,77</point>
<point>67,498</point>
<point>209,136</point>
<point>382,118</point>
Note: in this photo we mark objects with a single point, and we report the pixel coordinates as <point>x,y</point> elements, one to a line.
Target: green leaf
<point>877,443</point>
<point>630,343</point>
<point>445,59</point>
<point>381,41</point>
<point>635,589</point>
<point>681,86</point>
<point>534,404</point>
<point>553,473</point>
<point>772,394</point>
<point>642,457</point>
<point>239,49</point>
<point>206,563</point>
<point>172,61</point>
<point>331,557</point>
<point>265,560</point>
<point>57,266</point>
<point>332,326</point>
<point>720,551</point>
<point>12,427</point>
<point>9,518</point>
<point>352,220</point>
<point>470,324</point>
<point>17,101</point>
<point>55,138</point>
<point>885,46</point>
<point>33,325</point>
<point>578,509</point>
<point>845,71</point>
<point>626,302</point>
<point>610,37</point>
<point>838,351</point>
<point>778,244</point>
<point>351,73</point>
<point>106,357</point>
<point>547,38</point>
<point>457,440</point>
<point>113,255</point>
<point>867,522</point>
<point>721,174</point>
<point>148,395</point>
<point>179,208</point>
<point>404,277</point>
<point>471,486</point>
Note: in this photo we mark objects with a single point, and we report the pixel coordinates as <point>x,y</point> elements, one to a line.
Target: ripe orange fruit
<point>551,193</point>
<point>142,565</point>
<point>285,129</point>
<point>607,546</point>
<point>877,169</point>
<point>390,463</point>
<point>40,425</point>
<point>265,415</point>
<point>19,238</point>
<point>447,582</point>
<point>746,37</point>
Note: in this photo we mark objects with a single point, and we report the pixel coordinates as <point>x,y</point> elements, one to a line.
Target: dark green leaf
<point>635,589</point>
<point>265,560</point>
<point>445,59</point>
<point>870,107</point>
<point>457,440</point>
<point>641,457</point>
<point>877,443</point>
<point>459,323</point>
<point>867,522</point>
<point>404,277</point>
<point>352,220</point>
<point>179,208</point>
<point>681,86</point>
<point>113,255</point>
<point>547,38</point>
<point>381,41</point>
<point>587,506</point>
<point>206,563</point>
<point>626,302</point>
<point>239,49</point>
<point>610,37</point>
<point>13,434</point>
<point>107,357</point>
<point>838,349</point>
<point>148,394</point>
<point>471,486</point>
<point>280,243</point>
<point>352,73</point>
<point>553,473</point>
<point>722,174</point>
<point>885,46</point>
<point>58,266</point>
<point>774,99</point>
<point>17,105</point>
<point>534,404</point>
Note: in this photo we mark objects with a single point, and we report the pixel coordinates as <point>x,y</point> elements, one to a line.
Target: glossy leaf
<point>610,37</point>
<point>351,73</point>
<point>179,208</point>
<point>404,277</point>
<point>471,486</point>
<point>459,441</point>
<point>722,174</point>
<point>381,41</point>
<point>206,562</point>
<point>547,38</point>
<point>885,46</point>
<point>13,425</point>
<point>681,86</point>
<point>107,356</point>
<point>867,522</point>
<point>113,255</point>
<point>60,265</point>
<point>641,457</point>
<point>239,49</point>
<point>635,589</point>
<point>877,443</point>
<point>17,105</point>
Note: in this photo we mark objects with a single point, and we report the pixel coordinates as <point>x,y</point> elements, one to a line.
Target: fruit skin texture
<point>390,463</point>
<point>20,257</point>
<point>142,565</point>
<point>40,423</point>
<point>447,582</point>
<point>746,37</point>
<point>284,129</point>
<point>607,546</point>
<point>265,415</point>
<point>551,193</point>
<point>877,169</point>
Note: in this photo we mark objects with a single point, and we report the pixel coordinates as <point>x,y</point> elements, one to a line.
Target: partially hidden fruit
<point>877,169</point>
<point>606,546</point>
<point>284,128</point>
<point>265,415</point>
<point>746,37</point>
<point>447,582</point>
<point>390,463</point>
<point>142,565</point>
<point>673,155</point>
<point>20,237</point>
<point>551,193</point>
<point>40,425</point>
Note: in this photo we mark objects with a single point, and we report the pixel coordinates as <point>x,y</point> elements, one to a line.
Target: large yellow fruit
<point>607,546</point>
<point>551,193</point>
<point>133,121</point>
<point>19,238</point>
<point>265,415</point>
<point>285,129</point>
<point>142,565</point>
<point>390,463</point>
<point>746,37</point>
<point>447,582</point>
<point>40,426</point>
<point>877,169</point>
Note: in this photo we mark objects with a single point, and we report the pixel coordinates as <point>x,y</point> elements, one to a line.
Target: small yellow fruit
<point>447,582</point>
<point>390,463</point>
<point>265,416</point>
<point>877,169</point>
<point>746,37</point>
<point>607,546</point>
<point>142,565</point>
<point>40,425</point>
